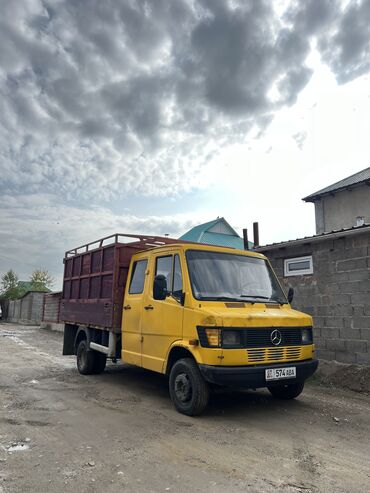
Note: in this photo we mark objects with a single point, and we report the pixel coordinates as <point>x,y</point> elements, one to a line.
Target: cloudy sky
<point>153,116</point>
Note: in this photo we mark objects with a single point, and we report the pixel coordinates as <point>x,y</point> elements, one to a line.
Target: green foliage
<point>10,288</point>
<point>41,280</point>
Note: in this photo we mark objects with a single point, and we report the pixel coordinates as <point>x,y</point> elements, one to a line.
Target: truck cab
<point>209,316</point>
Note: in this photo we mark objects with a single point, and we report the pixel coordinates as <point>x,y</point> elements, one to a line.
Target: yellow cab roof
<point>203,247</point>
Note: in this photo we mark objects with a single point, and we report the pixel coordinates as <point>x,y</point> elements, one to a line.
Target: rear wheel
<point>288,391</point>
<point>100,362</point>
<point>188,389</point>
<point>89,362</point>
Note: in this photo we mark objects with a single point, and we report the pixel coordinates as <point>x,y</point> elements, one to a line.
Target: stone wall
<point>337,294</point>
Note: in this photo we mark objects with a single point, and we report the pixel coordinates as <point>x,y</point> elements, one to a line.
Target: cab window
<point>138,277</point>
<point>170,267</point>
<point>177,278</point>
<point>164,267</point>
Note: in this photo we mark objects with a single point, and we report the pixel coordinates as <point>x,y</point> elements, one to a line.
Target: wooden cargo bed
<point>95,277</point>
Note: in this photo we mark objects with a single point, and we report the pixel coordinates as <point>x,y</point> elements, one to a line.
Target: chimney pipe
<point>245,239</point>
<point>256,237</point>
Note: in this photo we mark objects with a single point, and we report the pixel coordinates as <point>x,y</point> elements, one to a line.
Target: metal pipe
<point>245,239</point>
<point>99,348</point>
<point>256,236</point>
<point>109,350</point>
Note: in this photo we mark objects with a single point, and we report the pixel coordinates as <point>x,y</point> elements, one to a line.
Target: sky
<point>151,117</point>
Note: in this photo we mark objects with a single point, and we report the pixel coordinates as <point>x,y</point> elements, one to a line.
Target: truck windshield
<point>217,276</point>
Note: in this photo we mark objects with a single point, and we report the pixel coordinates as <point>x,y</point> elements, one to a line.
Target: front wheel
<point>288,391</point>
<point>188,389</point>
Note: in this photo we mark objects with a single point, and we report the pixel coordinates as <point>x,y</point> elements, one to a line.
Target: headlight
<point>231,338</point>
<point>306,336</point>
<point>213,337</point>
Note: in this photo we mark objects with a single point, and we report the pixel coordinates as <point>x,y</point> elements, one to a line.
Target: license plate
<point>280,373</point>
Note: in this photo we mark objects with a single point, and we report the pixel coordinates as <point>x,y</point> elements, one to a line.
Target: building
<point>330,274</point>
<point>344,204</point>
<point>216,232</point>
<point>330,271</point>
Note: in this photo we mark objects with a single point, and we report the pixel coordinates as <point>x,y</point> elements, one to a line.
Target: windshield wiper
<point>271,300</point>
<point>219,298</point>
<point>255,297</point>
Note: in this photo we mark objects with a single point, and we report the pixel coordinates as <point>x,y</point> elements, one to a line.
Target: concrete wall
<point>14,309</point>
<point>341,210</point>
<point>337,294</point>
<point>27,310</point>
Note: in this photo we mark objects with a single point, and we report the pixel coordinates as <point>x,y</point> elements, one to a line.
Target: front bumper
<point>253,377</point>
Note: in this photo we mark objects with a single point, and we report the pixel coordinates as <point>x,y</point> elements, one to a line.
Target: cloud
<point>300,139</point>
<point>105,101</point>
<point>37,230</point>
<point>346,47</point>
<point>103,98</point>
<point>341,31</point>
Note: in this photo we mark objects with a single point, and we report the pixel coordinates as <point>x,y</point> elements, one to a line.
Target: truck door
<point>132,313</point>
<point>161,322</point>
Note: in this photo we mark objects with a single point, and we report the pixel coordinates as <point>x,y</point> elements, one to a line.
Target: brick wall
<point>337,294</point>
<point>51,307</point>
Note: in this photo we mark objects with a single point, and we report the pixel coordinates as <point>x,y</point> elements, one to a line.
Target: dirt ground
<point>61,432</point>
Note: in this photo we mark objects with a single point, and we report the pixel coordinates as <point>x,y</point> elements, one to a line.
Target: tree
<point>9,286</point>
<point>41,280</point>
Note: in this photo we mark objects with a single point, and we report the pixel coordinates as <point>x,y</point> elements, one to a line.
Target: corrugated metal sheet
<point>194,234</point>
<point>201,234</point>
<point>220,239</point>
<point>360,177</point>
<point>365,228</point>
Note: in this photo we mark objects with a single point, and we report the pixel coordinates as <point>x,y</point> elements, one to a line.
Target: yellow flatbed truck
<point>203,315</point>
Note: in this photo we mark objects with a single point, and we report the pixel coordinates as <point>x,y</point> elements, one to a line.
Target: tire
<point>85,359</point>
<point>288,391</point>
<point>100,362</point>
<point>188,389</point>
<point>89,362</point>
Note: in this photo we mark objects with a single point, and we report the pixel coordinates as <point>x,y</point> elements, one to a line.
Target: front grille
<point>274,354</point>
<point>260,337</point>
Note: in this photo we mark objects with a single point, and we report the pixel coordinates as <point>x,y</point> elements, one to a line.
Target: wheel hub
<point>183,388</point>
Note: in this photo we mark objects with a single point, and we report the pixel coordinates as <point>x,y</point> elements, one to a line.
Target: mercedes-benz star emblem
<point>276,337</point>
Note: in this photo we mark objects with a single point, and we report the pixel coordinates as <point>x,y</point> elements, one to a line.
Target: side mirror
<point>160,287</point>
<point>290,295</point>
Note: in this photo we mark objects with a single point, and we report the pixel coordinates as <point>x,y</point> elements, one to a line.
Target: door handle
<point>148,307</point>
<point>127,307</point>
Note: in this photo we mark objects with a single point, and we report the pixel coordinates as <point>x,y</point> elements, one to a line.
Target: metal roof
<point>340,233</point>
<point>356,179</point>
<point>195,234</point>
<point>220,239</point>
<point>201,234</point>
